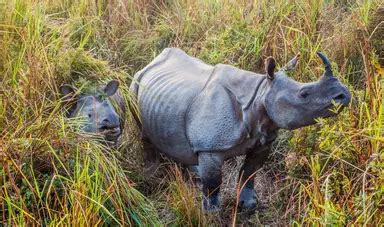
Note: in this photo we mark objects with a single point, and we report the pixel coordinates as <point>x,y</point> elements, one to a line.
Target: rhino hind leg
<point>192,173</point>
<point>210,173</point>
<point>253,161</point>
<point>151,157</point>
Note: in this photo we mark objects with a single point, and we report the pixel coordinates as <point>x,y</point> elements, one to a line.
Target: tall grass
<point>330,173</point>
<point>49,174</point>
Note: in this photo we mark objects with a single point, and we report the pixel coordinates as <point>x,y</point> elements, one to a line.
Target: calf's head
<point>291,104</point>
<point>96,110</point>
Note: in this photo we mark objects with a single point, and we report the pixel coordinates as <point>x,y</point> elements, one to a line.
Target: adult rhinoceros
<point>199,114</point>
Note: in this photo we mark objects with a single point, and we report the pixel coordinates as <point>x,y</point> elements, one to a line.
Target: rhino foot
<point>248,199</point>
<point>150,168</point>
<point>211,204</point>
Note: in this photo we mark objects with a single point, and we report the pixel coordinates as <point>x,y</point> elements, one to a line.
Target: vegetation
<point>328,174</point>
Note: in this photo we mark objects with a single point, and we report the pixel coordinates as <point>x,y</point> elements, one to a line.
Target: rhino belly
<point>164,98</point>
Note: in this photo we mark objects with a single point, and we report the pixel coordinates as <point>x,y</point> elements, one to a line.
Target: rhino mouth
<point>332,110</point>
<point>110,133</point>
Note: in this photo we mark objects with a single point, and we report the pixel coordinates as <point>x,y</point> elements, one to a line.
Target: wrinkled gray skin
<point>201,115</point>
<point>96,110</point>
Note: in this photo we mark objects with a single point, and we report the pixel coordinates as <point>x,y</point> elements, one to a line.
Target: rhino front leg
<point>210,173</point>
<point>253,161</point>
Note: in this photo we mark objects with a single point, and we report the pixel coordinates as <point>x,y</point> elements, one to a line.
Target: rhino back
<point>167,87</point>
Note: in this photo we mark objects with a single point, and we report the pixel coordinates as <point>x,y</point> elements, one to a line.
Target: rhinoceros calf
<point>199,114</point>
<point>98,114</point>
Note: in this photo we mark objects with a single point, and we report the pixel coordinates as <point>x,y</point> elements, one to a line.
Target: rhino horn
<point>291,64</point>
<point>327,65</point>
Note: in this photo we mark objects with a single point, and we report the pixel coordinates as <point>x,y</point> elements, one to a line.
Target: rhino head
<point>291,104</point>
<point>96,110</point>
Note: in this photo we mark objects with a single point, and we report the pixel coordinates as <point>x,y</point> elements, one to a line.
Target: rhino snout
<point>108,123</point>
<point>110,126</point>
<point>342,98</point>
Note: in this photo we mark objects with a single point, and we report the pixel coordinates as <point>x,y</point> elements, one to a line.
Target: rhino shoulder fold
<point>214,121</point>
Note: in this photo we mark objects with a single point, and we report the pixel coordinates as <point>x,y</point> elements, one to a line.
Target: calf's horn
<point>327,64</point>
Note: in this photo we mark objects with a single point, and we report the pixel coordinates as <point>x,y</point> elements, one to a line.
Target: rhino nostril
<point>339,97</point>
<point>103,128</point>
<point>108,124</point>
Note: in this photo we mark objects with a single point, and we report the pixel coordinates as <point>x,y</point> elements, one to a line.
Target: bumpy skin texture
<point>217,118</point>
<point>200,114</point>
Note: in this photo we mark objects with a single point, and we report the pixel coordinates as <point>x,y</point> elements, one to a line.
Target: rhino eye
<point>89,115</point>
<point>304,94</point>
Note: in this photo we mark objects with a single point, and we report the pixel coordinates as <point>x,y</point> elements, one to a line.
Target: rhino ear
<point>111,88</point>
<point>69,98</point>
<point>67,92</point>
<point>270,65</point>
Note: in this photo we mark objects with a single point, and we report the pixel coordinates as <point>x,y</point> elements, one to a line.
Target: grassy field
<point>328,174</point>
